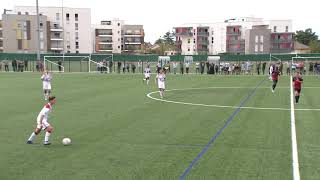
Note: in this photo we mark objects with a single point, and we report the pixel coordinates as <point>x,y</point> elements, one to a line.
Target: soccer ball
<point>66,141</point>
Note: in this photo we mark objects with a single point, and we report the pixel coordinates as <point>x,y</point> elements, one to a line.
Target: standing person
<point>133,67</point>
<point>147,74</point>
<point>271,68</point>
<point>46,84</point>
<point>160,80</point>
<point>187,67</point>
<point>139,66</point>
<point>174,64</point>
<point>38,66</point>
<point>110,66</point>
<point>181,68</point>
<point>124,67</point>
<point>25,65</point>
<point>6,65</point>
<point>197,67</point>
<point>281,68</point>
<point>128,67</point>
<point>119,67</point>
<point>275,77</point>
<point>1,62</point>
<point>14,65</point>
<point>258,67</point>
<point>60,65</point>
<point>264,67</point>
<point>42,122</point>
<point>297,86</point>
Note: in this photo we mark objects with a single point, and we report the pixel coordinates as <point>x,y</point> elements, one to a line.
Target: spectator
<point>258,67</point>
<point>6,65</point>
<point>1,62</point>
<point>26,65</point>
<point>264,67</point>
<point>14,65</point>
<point>207,64</point>
<point>197,67</point>
<point>110,66</point>
<point>187,67</point>
<point>181,68</point>
<point>216,69</point>
<point>174,64</point>
<point>281,68</point>
<point>128,67</point>
<point>119,66</point>
<point>202,67</point>
<point>140,66</point>
<point>60,65</point>
<point>133,68</point>
<point>124,67</point>
<point>38,66</point>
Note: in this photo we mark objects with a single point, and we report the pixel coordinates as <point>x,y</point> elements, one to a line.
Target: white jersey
<point>161,80</point>
<point>45,113</point>
<point>46,81</point>
<point>147,72</point>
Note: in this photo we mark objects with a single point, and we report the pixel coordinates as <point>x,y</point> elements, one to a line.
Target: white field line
<point>295,160</point>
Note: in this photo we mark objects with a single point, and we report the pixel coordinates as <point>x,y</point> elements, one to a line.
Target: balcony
<point>56,38</point>
<point>105,50</point>
<point>281,40</point>
<point>184,34</point>
<point>203,42</point>
<point>203,49</point>
<point>105,34</point>
<point>236,50</point>
<point>56,48</point>
<point>105,42</point>
<point>203,33</point>
<point>236,41</point>
<point>133,42</point>
<point>56,28</point>
<point>132,35</point>
<point>232,33</point>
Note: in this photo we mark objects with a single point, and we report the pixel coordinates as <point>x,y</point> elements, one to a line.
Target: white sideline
<point>295,160</point>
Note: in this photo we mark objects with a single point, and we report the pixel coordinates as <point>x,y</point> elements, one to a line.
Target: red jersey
<point>275,75</point>
<point>297,82</point>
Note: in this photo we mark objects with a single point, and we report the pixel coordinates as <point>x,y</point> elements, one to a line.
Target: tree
<point>306,37</point>
<point>168,38</point>
<point>315,46</point>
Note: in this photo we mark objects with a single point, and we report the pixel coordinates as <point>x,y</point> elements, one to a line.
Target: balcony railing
<point>203,42</point>
<point>282,41</point>
<point>184,33</point>
<point>236,41</point>
<point>231,33</point>
<point>105,34</point>
<point>235,50</point>
<point>203,33</point>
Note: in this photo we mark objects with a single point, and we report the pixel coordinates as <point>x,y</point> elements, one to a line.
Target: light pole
<point>38,29</point>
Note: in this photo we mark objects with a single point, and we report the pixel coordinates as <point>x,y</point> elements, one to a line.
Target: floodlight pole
<point>38,29</point>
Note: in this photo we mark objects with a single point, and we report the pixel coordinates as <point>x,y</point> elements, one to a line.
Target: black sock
<point>297,99</point>
<point>273,86</point>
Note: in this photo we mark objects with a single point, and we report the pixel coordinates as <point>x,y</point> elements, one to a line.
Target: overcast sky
<point>159,16</point>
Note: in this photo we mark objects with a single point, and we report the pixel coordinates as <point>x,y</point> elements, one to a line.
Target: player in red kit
<point>297,85</point>
<point>275,77</point>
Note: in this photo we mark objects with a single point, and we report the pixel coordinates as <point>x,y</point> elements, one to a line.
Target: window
<point>118,47</point>
<point>57,16</point>
<point>41,45</point>
<point>274,28</point>
<point>68,46</point>
<point>68,52</point>
<point>76,26</point>
<point>76,17</point>
<point>118,24</point>
<point>41,34</point>
<point>77,35</point>
<point>189,49</point>
<point>257,39</point>
<point>41,25</point>
<point>256,48</point>
<point>188,41</point>
<point>68,16</point>
<point>77,45</point>
<point>261,39</point>
<point>20,44</point>
<point>194,41</point>
<point>77,52</point>
<point>287,28</point>
<point>261,48</point>
<point>118,32</point>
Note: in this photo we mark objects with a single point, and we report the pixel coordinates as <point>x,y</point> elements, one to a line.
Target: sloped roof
<point>300,46</point>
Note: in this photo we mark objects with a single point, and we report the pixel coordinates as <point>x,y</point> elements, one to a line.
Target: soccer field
<point>206,127</point>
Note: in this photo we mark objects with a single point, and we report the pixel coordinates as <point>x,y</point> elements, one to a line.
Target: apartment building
<point>19,33</point>
<point>1,37</point>
<point>236,36</point>
<point>113,36</point>
<point>68,29</point>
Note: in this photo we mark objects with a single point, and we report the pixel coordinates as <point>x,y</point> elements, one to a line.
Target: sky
<point>160,16</point>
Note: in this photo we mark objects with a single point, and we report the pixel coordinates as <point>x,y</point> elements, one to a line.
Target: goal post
<point>68,63</point>
<point>100,63</point>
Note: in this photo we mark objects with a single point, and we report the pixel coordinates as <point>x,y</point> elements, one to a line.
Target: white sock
<point>46,137</point>
<point>32,137</point>
<point>147,81</point>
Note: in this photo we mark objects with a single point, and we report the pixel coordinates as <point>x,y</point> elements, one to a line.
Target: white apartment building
<point>221,38</point>
<point>69,29</point>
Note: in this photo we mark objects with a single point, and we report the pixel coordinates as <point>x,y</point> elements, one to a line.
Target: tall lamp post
<point>38,31</point>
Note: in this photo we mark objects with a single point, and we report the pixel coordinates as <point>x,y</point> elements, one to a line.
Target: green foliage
<point>315,46</point>
<point>306,37</point>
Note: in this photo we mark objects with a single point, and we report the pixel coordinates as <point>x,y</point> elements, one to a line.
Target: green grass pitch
<point>118,132</point>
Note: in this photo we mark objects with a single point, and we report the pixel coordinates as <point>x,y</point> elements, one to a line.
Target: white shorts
<point>42,125</point>
<point>161,85</point>
<point>46,86</point>
<point>147,76</point>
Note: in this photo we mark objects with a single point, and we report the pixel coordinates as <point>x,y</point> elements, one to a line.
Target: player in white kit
<point>160,79</point>
<point>147,74</point>
<point>42,122</point>
<point>46,84</point>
